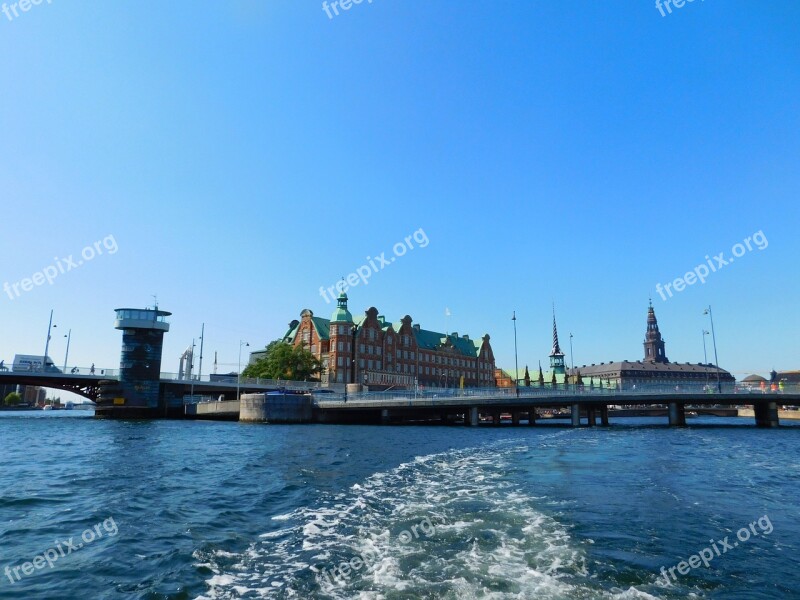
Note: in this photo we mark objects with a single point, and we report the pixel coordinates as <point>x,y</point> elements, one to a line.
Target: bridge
<point>94,383</point>
<point>575,403</point>
<point>82,381</point>
<point>332,403</point>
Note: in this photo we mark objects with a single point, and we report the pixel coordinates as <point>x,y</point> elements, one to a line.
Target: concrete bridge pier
<point>515,417</point>
<point>275,408</point>
<point>591,416</point>
<point>576,415</point>
<point>471,417</point>
<point>677,414</point>
<point>496,418</point>
<point>766,414</point>
<point>385,419</point>
<point>531,416</point>
<point>604,415</point>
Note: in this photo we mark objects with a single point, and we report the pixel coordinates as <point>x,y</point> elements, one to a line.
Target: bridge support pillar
<point>443,417</point>
<point>766,414</point>
<point>591,416</point>
<point>576,415</point>
<point>677,414</point>
<point>385,420</point>
<point>531,416</point>
<point>472,417</point>
<point>496,418</point>
<point>515,417</point>
<point>604,415</point>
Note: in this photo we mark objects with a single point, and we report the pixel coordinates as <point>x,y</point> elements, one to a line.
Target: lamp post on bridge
<point>66,356</point>
<point>714,338</point>
<point>191,377</point>
<point>572,360</point>
<point>705,356</point>
<point>516,364</point>
<point>354,331</point>
<point>239,370</point>
<point>202,339</point>
<point>47,343</point>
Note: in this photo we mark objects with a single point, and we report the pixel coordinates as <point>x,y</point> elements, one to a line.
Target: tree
<point>13,399</point>
<point>285,361</point>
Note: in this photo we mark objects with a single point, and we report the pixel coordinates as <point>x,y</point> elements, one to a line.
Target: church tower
<point>556,355</point>
<point>653,344</point>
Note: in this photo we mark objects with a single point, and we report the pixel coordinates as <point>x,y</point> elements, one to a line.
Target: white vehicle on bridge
<point>33,363</point>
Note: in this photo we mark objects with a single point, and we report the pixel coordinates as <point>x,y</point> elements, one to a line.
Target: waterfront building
<point>34,395</point>
<point>787,377</point>
<point>754,382</point>
<point>503,379</point>
<point>370,350</point>
<point>654,368</point>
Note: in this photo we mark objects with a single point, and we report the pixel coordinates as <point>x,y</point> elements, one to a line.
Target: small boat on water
<point>48,407</point>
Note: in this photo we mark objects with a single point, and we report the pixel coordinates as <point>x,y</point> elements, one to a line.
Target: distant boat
<point>48,407</point>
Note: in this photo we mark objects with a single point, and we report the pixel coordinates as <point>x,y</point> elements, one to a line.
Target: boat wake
<point>447,525</point>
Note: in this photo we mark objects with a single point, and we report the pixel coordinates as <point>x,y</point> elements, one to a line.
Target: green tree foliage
<point>284,361</point>
<point>13,399</point>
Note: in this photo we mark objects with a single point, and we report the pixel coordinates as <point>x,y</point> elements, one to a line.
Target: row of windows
<point>371,334</point>
<point>410,355</point>
<point>406,355</point>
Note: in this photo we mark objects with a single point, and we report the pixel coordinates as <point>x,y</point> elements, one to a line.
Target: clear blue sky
<point>242,154</point>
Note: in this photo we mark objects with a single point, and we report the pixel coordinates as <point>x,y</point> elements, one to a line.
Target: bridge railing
<point>79,370</point>
<point>533,393</point>
<point>251,381</point>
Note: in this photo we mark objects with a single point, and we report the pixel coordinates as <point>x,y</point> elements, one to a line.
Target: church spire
<point>556,347</point>
<point>654,347</point>
<point>556,355</point>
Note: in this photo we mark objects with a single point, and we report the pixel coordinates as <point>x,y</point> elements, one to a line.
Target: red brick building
<point>371,350</point>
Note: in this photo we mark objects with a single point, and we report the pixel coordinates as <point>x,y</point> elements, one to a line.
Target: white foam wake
<point>478,535</point>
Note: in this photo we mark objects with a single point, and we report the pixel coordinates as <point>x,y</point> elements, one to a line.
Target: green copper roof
<point>465,346</point>
<point>426,339</point>
<point>432,340</point>
<point>291,334</point>
<point>341,314</point>
<point>323,327</point>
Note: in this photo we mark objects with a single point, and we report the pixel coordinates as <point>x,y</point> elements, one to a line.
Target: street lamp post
<point>572,360</point>
<point>705,355</point>
<point>47,343</point>
<point>354,331</point>
<point>202,339</point>
<point>66,356</point>
<point>191,368</point>
<point>239,370</point>
<point>516,364</point>
<point>714,339</point>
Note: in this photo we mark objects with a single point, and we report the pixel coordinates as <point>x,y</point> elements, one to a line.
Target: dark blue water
<point>222,510</point>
